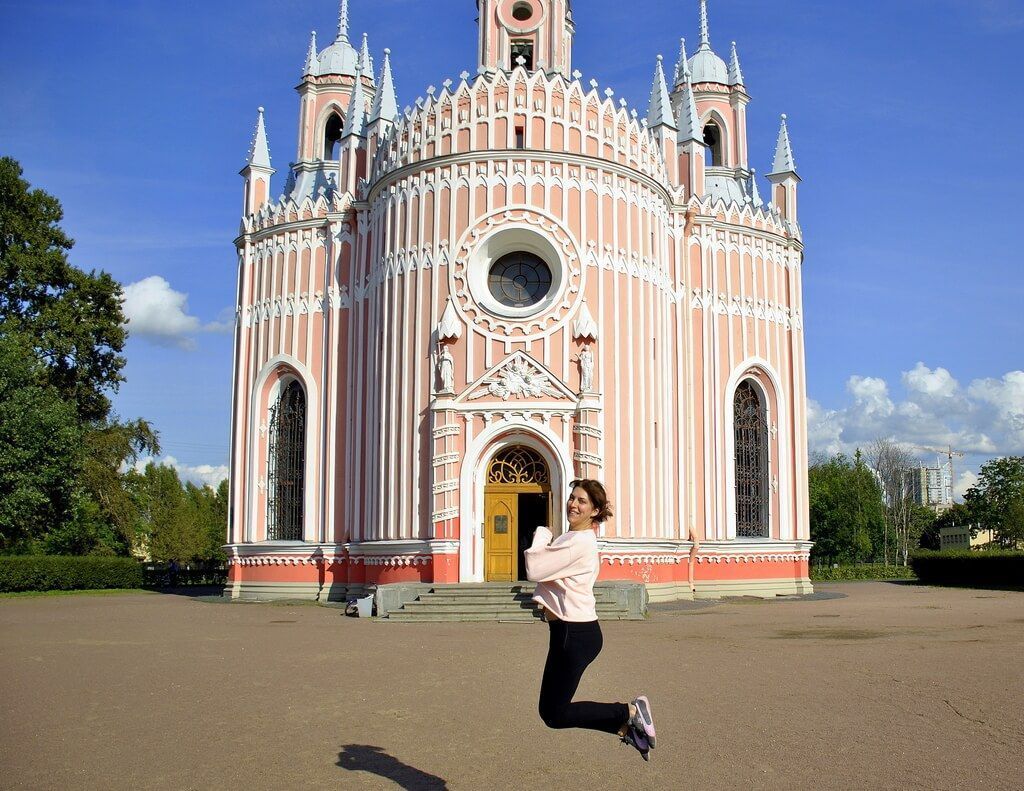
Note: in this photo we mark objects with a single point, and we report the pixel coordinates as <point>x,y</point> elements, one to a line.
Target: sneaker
<point>637,740</point>
<point>642,721</point>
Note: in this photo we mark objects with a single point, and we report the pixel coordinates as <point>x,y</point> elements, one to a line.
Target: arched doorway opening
<point>517,500</point>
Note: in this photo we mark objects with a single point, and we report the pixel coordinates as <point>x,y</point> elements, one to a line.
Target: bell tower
<point>535,34</point>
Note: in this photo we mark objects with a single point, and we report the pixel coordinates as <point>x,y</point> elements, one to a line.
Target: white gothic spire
<point>659,111</point>
<point>311,57</point>
<point>259,150</point>
<point>705,37</point>
<point>683,66</point>
<point>784,162</point>
<point>735,72</point>
<point>385,103</point>
<point>688,123</point>
<point>365,60</point>
<point>343,21</point>
<point>355,126</point>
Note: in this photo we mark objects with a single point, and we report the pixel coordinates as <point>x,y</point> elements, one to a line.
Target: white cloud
<point>200,475</point>
<point>156,311</point>
<point>965,480</point>
<point>983,420</point>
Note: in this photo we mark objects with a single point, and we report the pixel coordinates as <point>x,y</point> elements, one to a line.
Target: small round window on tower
<point>519,280</point>
<point>522,11</point>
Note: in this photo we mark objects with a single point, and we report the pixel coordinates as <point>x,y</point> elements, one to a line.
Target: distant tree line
<point>862,509</point>
<point>68,483</point>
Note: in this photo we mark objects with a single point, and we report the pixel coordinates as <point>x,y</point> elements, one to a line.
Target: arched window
<point>518,465</point>
<point>713,145</point>
<point>287,465</point>
<point>750,421</point>
<point>332,137</point>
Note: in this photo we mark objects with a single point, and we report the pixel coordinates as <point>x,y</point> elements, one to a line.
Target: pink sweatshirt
<point>565,570</point>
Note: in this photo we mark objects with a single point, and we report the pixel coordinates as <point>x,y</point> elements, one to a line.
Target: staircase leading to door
<point>495,601</point>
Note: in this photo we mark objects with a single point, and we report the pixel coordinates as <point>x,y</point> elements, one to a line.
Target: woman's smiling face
<point>579,510</point>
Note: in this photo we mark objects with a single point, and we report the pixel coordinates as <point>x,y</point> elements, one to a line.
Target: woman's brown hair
<point>598,497</point>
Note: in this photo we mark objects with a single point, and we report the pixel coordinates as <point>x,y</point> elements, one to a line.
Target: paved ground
<point>889,686</point>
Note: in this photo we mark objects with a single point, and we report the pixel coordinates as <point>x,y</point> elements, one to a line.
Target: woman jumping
<point>566,570</point>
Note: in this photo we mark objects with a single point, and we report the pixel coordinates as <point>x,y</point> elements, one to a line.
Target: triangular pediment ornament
<point>518,378</point>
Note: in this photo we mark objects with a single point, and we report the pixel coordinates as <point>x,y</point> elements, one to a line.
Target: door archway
<point>517,500</point>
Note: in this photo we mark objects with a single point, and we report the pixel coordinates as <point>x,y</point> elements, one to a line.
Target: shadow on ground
<point>209,592</point>
<point>366,758</point>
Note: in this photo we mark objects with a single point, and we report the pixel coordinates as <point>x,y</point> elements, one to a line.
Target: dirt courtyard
<point>882,686</point>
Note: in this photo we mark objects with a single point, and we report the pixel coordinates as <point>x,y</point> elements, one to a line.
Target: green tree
<point>72,320</point>
<point>957,515</point>
<point>996,501</point>
<point>112,448</point>
<point>846,510</point>
<point>40,454</point>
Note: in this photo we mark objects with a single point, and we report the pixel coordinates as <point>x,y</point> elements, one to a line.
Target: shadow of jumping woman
<point>366,758</point>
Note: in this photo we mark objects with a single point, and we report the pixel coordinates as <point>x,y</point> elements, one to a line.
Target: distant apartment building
<point>931,487</point>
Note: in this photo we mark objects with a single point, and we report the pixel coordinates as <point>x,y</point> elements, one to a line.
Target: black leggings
<point>572,647</point>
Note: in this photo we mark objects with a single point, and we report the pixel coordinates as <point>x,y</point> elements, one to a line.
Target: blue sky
<point>905,116</point>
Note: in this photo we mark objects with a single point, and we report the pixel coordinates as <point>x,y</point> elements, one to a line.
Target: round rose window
<point>519,280</point>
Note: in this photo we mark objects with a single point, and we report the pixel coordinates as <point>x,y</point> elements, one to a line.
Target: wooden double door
<point>512,514</point>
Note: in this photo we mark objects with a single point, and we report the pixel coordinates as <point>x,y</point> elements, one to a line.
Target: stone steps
<point>492,602</point>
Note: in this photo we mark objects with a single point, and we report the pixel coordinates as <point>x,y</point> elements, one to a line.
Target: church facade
<point>448,313</point>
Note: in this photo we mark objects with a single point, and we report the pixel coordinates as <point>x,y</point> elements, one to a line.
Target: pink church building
<point>449,312</point>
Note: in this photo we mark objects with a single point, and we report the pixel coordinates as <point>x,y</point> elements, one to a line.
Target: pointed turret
<point>735,72</point>
<point>705,36</point>
<point>681,66</point>
<point>690,140</point>
<point>784,177</point>
<point>784,162</point>
<point>385,103</point>
<point>355,125</point>
<point>311,57</point>
<point>753,193</point>
<point>688,122</point>
<point>364,57</point>
<point>659,112</point>
<point>259,149</point>
<point>257,171</point>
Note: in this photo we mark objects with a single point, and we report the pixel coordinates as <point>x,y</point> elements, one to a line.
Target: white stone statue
<point>446,369</point>
<point>586,359</point>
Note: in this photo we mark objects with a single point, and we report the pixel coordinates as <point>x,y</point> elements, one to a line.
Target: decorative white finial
<point>682,66</point>
<point>659,111</point>
<point>705,38</point>
<point>735,72</point>
<point>784,161</point>
<point>385,103</point>
<point>311,56</point>
<point>343,21</point>
<point>365,59</point>
<point>259,149</point>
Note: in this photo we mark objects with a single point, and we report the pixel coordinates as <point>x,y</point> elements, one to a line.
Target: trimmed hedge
<point>57,572</point>
<point>860,571</point>
<point>977,569</point>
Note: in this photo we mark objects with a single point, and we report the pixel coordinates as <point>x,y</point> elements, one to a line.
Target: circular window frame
<point>516,26</point>
<point>522,6</point>
<point>514,239</point>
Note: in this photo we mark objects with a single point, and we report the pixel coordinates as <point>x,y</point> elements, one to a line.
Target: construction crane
<point>949,453</point>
